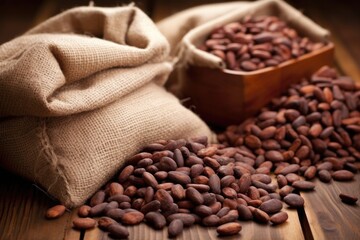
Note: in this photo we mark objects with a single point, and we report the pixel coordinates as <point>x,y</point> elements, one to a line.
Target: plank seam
<point>304,222</point>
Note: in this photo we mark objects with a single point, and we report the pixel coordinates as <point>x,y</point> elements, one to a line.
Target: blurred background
<point>342,18</point>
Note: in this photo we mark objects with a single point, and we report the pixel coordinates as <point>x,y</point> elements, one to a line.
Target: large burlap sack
<point>80,93</point>
<point>198,22</point>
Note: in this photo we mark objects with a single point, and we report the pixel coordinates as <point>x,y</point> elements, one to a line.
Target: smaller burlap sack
<point>200,21</point>
<point>82,92</point>
<point>191,18</point>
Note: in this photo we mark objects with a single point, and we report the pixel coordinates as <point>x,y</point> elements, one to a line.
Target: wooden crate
<point>224,97</point>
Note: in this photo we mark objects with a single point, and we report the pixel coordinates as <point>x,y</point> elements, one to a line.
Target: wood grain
<point>22,210</point>
<point>328,217</point>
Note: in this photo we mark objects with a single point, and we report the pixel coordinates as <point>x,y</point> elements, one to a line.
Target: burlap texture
<point>191,18</point>
<point>82,92</point>
<point>197,23</point>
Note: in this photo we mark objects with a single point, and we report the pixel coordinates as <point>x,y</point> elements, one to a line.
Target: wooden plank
<point>22,210</point>
<point>70,232</point>
<point>328,217</point>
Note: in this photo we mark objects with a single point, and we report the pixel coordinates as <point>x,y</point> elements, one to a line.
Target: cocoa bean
<point>279,218</point>
<point>271,206</point>
<point>343,175</point>
<point>132,218</point>
<point>294,200</point>
<point>175,228</point>
<point>55,212</point>
<point>261,216</point>
<point>303,185</point>
<point>156,220</point>
<point>187,219</point>
<point>348,198</point>
<point>228,229</point>
<point>118,231</point>
<point>84,210</point>
<point>84,223</point>
<point>211,221</point>
<point>164,198</point>
<point>194,195</point>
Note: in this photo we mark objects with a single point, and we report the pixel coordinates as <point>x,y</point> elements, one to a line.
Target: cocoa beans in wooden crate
<point>234,65</point>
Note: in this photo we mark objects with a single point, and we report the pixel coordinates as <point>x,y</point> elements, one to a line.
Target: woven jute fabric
<point>197,23</point>
<point>82,92</point>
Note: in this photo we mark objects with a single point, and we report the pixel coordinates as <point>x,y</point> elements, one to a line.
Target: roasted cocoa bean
<point>55,212</point>
<point>156,220</point>
<point>244,213</point>
<point>118,231</point>
<point>98,198</point>
<point>105,222</point>
<point>229,229</point>
<point>271,206</point>
<point>187,219</point>
<point>261,216</point>
<point>303,185</point>
<point>279,218</point>
<point>132,218</point>
<point>84,210</point>
<point>211,221</point>
<point>175,228</point>
<point>98,209</point>
<point>294,200</point>
<point>84,223</point>
<point>348,198</point>
<point>194,195</point>
<point>164,198</point>
<point>343,175</point>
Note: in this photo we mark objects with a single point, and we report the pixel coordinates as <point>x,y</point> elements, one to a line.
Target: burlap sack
<point>80,93</point>
<point>200,21</point>
<point>191,18</point>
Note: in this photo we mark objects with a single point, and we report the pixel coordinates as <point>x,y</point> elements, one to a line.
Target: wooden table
<point>23,205</point>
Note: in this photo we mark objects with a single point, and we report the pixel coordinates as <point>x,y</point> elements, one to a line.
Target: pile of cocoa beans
<point>311,131</point>
<point>257,42</point>
<point>180,183</point>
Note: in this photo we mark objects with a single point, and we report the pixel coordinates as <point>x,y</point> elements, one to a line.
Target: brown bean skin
<point>84,223</point>
<point>55,212</point>
<point>294,200</point>
<point>346,198</point>
<point>279,218</point>
<point>175,228</point>
<point>118,231</point>
<point>229,229</point>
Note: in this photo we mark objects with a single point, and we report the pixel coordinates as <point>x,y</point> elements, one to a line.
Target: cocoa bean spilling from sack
<point>257,42</point>
<point>180,183</point>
